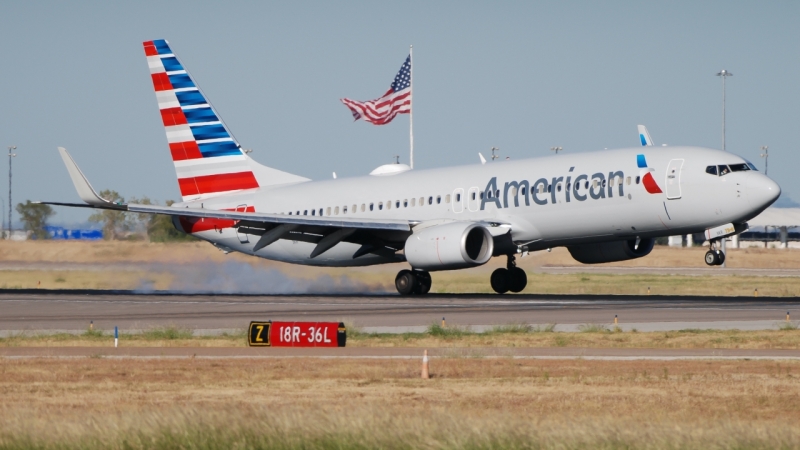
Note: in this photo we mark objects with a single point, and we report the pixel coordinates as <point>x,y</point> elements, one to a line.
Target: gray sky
<point>522,76</point>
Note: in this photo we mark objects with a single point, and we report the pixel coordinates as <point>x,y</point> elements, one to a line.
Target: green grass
<point>593,328</point>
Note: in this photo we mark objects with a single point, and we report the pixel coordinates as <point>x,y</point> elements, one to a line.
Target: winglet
<point>644,136</point>
<point>85,190</point>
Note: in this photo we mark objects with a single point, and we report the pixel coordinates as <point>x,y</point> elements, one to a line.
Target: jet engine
<point>611,251</point>
<point>455,245</point>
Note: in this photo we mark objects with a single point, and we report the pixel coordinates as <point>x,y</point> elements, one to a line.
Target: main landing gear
<point>413,282</point>
<point>715,256</point>
<point>512,278</point>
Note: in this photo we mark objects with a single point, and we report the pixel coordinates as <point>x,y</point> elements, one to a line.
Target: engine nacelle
<point>455,245</point>
<point>611,251</point>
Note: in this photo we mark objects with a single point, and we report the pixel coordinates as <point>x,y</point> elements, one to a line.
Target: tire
<point>518,279</point>
<point>405,282</point>
<point>711,258</point>
<point>423,281</point>
<point>500,281</point>
<point>720,258</point>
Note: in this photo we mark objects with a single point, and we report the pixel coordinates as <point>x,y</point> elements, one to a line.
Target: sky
<point>523,76</point>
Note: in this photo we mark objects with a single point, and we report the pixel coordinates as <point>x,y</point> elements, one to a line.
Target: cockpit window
<point>711,170</point>
<point>739,167</point>
<point>723,170</point>
<point>751,165</point>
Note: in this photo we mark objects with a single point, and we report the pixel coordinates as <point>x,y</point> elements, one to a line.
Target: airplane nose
<point>762,191</point>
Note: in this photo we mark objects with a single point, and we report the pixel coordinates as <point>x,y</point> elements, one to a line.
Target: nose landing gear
<point>413,282</point>
<point>512,278</point>
<point>715,256</point>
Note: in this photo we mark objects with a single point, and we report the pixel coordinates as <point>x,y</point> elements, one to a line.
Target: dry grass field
<point>592,336</point>
<point>187,266</point>
<point>469,403</point>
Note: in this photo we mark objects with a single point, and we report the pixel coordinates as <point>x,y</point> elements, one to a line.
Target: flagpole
<point>411,111</point>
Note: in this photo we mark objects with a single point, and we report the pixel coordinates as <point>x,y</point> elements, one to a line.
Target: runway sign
<point>297,334</point>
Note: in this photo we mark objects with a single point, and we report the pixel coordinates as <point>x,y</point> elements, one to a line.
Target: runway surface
<point>38,311</point>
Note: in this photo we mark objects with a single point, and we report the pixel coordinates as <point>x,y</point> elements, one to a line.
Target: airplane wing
<point>383,237</point>
<point>644,136</point>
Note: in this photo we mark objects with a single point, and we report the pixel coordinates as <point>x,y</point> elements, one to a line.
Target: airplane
<point>603,206</point>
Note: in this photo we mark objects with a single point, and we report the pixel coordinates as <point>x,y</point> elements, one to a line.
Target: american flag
<point>397,100</point>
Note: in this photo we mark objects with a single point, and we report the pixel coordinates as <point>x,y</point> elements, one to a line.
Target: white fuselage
<point>573,200</point>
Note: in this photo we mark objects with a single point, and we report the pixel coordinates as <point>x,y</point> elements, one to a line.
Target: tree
<point>161,229</point>
<point>34,216</point>
<point>114,222</point>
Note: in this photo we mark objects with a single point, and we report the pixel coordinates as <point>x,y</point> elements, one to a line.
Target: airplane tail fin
<point>208,160</point>
<point>644,136</point>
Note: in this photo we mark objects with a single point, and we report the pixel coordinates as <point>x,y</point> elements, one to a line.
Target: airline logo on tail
<point>207,159</point>
<point>646,173</point>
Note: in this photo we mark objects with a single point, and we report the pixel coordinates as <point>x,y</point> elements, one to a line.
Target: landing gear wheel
<point>517,279</point>
<point>712,258</point>
<point>500,281</point>
<point>423,281</point>
<point>720,257</point>
<point>405,282</point>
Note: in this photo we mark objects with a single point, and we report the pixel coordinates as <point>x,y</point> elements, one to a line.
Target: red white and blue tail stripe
<point>208,160</point>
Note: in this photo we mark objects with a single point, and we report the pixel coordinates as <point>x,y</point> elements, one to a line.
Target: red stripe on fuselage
<point>224,182</point>
<point>196,225</point>
<point>650,184</point>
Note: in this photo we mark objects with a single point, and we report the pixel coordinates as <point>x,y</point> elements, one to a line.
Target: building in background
<point>61,233</point>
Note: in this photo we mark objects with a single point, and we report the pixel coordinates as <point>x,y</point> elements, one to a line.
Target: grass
<point>302,403</point>
<point>514,335</point>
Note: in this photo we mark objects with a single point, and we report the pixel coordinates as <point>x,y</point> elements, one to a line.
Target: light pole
<point>556,149</point>
<point>11,148</point>
<point>765,155</point>
<point>3,223</point>
<point>724,74</point>
<point>494,156</point>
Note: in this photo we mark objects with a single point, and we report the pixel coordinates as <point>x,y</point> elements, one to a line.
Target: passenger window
<point>362,207</point>
<point>355,209</point>
<point>313,212</point>
<point>514,191</point>
<point>405,203</point>
<point>328,211</point>
<point>305,213</point>
<point>430,200</point>
<point>458,197</point>
<point>489,194</point>
<point>611,182</point>
<point>298,213</point>
<point>380,206</point>
<point>558,187</point>
<point>637,180</point>
<point>389,204</point>
<point>371,206</point>
<point>320,211</point>
<point>438,199</point>
<point>586,185</point>
<point>541,189</point>
<point>290,213</point>
<point>413,202</point>
<point>480,195</point>
<point>447,198</point>
<point>523,192</point>
<point>344,209</point>
<point>628,181</point>
<point>421,201</point>
<point>397,204</point>
<point>711,170</point>
<point>550,188</point>
<point>497,193</point>
<point>604,183</point>
<point>336,211</point>
<point>473,196</point>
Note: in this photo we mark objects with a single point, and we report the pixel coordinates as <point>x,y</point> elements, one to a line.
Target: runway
<point>43,311</point>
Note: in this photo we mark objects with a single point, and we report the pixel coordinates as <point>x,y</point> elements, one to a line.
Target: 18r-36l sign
<point>297,334</point>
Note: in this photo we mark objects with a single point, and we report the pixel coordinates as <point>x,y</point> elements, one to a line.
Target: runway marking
<point>412,357</point>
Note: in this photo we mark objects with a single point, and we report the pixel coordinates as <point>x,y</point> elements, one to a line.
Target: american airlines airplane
<point>602,206</point>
